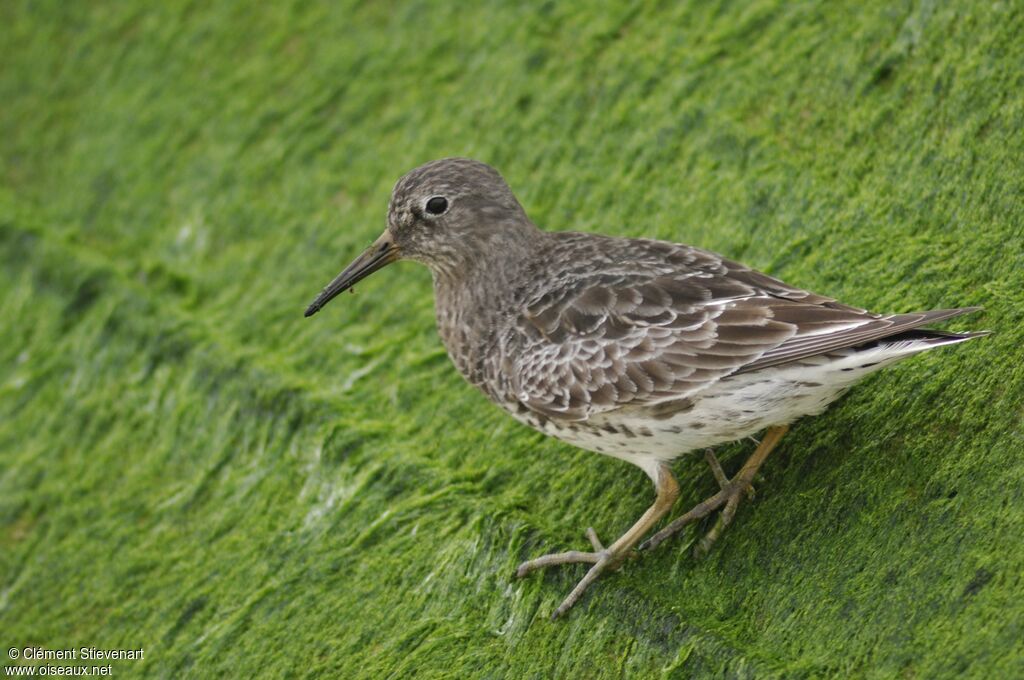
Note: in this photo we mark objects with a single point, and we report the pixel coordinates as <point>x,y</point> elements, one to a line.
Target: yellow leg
<point>609,559</point>
<point>729,496</point>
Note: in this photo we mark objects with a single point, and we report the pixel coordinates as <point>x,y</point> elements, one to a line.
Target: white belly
<point>730,409</point>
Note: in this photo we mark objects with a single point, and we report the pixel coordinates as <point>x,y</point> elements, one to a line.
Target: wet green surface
<point>189,466</point>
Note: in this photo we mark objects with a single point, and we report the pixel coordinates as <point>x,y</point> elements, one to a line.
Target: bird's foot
<point>719,473</point>
<point>727,499</point>
<point>734,491</point>
<point>603,559</point>
<point>610,558</point>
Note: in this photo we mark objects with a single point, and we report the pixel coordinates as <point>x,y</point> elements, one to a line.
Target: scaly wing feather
<point>663,322</point>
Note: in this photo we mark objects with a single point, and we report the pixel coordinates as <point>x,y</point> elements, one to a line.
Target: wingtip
<point>938,315</point>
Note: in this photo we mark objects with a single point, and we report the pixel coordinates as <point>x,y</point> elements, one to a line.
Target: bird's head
<point>449,214</point>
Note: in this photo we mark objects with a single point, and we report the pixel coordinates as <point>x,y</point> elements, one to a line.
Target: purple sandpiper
<point>639,349</point>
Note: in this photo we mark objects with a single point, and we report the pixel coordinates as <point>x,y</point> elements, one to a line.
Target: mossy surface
<point>189,466</point>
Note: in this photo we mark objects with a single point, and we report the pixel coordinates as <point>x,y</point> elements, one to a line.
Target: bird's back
<point>603,324</point>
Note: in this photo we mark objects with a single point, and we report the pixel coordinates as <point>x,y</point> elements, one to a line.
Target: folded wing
<point>668,323</point>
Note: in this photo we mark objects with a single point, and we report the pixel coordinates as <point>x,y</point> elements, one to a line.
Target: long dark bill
<point>382,253</point>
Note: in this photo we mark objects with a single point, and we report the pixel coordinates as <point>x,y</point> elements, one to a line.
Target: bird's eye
<point>437,205</point>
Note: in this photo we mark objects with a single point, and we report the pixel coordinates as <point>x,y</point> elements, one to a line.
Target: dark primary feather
<point>875,329</point>
<point>661,322</point>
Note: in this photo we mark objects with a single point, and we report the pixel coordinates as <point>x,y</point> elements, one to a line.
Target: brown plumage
<point>639,349</point>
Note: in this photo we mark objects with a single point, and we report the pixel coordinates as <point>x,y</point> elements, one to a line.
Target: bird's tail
<point>926,338</point>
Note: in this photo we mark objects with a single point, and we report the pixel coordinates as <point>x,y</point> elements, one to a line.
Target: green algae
<point>188,466</point>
